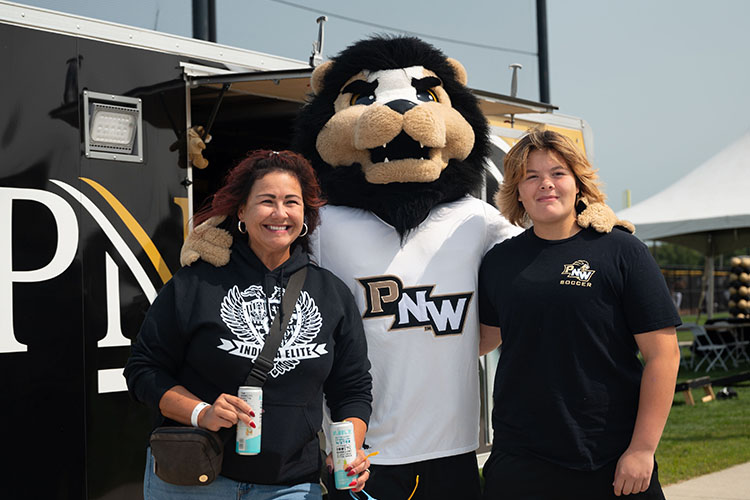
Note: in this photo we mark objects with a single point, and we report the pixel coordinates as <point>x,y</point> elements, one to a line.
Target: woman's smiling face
<point>548,190</point>
<point>273,214</point>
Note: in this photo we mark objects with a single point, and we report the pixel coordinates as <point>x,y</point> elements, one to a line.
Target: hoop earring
<point>241,227</point>
<point>304,230</point>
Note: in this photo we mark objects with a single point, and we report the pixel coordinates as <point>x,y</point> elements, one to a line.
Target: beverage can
<point>343,453</point>
<point>248,438</point>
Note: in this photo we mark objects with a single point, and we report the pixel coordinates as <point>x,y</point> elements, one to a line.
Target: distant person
<point>576,414</point>
<point>204,330</point>
<point>677,299</point>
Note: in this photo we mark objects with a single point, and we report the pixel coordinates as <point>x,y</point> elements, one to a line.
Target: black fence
<point>686,284</point>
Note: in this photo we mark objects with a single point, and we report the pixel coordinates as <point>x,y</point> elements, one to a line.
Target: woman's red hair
<point>239,181</point>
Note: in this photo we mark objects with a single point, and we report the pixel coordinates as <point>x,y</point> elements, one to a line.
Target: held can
<point>248,438</point>
<point>343,452</point>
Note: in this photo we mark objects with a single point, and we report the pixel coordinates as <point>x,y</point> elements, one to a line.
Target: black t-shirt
<point>568,380</point>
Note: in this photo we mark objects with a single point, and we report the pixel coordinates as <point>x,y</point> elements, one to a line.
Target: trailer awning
<point>294,85</point>
<point>288,85</point>
<point>498,104</point>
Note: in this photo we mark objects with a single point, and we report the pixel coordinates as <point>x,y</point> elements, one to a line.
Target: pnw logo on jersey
<point>244,312</point>
<point>579,273</point>
<point>415,306</point>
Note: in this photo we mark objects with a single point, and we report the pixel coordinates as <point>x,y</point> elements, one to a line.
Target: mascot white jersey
<point>419,309</point>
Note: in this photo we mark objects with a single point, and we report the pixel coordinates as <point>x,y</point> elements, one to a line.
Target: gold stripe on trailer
<point>140,234</point>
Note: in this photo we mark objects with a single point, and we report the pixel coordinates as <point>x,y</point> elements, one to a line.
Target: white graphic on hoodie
<point>245,314</point>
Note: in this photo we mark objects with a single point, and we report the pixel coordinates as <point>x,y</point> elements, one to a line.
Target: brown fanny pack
<point>187,456</point>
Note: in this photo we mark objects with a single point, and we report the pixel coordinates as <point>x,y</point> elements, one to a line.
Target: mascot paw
<point>207,242</point>
<point>600,217</point>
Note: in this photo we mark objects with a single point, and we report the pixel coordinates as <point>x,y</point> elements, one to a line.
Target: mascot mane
<point>402,204</point>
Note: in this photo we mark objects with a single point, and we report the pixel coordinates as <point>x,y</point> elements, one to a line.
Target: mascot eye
<point>427,95</point>
<point>362,99</point>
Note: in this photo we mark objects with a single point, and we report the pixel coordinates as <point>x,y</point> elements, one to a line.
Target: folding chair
<point>736,345</point>
<point>705,348</point>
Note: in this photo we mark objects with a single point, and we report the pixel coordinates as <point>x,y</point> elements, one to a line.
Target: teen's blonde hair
<point>515,163</point>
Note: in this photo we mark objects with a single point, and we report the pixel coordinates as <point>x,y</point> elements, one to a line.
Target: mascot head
<point>392,128</point>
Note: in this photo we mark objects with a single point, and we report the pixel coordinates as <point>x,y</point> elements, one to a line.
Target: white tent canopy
<point>708,209</point>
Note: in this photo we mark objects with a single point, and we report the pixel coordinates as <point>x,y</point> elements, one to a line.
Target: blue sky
<point>664,84</point>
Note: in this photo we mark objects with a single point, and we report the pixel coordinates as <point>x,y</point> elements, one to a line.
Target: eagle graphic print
<point>249,314</point>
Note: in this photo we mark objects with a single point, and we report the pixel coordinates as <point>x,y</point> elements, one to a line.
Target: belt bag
<point>191,456</point>
<point>187,456</point>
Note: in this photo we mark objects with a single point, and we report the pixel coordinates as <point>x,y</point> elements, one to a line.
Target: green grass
<point>706,437</point>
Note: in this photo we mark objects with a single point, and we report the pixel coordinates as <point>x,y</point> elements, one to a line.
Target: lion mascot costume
<point>399,144</point>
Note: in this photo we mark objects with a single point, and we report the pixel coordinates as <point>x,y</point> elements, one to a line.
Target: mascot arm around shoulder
<point>390,128</point>
<point>212,244</point>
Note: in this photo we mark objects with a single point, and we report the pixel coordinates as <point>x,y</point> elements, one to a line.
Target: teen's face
<point>548,191</point>
<point>273,213</point>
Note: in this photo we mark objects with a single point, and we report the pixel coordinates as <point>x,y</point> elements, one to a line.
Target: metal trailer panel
<point>88,243</point>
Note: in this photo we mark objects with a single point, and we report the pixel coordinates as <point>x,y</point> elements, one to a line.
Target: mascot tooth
<point>399,144</point>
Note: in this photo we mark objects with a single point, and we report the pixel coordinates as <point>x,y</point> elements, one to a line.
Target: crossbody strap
<point>264,363</point>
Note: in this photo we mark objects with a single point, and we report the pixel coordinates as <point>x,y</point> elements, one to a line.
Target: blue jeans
<point>223,488</point>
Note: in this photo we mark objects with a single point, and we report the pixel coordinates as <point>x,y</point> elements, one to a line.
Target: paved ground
<point>728,484</point>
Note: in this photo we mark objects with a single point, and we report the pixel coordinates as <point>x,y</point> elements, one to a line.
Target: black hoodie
<point>206,327</point>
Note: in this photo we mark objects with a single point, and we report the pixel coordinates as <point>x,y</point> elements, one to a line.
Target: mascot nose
<point>401,105</point>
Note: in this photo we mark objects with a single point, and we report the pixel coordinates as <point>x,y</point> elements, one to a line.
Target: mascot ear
<point>316,80</point>
<point>458,69</point>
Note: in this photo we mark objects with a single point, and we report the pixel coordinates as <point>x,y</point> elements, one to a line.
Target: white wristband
<point>197,411</point>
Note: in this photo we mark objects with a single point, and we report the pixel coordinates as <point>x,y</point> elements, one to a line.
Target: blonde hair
<point>515,163</point>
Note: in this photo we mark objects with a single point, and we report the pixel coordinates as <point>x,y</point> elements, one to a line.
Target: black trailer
<point>96,192</point>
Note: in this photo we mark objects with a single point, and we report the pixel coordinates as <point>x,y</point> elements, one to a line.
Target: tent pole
<point>710,278</point>
<point>710,293</point>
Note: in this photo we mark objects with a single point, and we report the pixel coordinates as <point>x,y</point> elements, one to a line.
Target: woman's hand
<point>358,470</point>
<point>633,472</point>
<point>226,411</point>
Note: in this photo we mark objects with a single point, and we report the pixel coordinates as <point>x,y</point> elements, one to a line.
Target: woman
<point>576,415</point>
<point>202,333</point>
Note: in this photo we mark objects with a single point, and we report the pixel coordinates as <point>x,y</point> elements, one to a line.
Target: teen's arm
<point>661,355</point>
<point>489,338</point>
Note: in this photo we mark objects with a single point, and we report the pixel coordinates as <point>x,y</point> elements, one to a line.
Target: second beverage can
<point>343,453</point>
<point>248,438</point>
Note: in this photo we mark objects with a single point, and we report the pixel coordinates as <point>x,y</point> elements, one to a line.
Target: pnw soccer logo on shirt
<point>578,273</point>
<point>245,314</point>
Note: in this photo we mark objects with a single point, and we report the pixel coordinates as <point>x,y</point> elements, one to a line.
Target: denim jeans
<point>223,488</point>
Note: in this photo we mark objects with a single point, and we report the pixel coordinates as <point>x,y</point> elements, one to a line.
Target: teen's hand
<point>633,472</point>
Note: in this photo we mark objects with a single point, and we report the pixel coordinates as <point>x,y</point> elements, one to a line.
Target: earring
<point>304,230</point>
<point>241,227</point>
